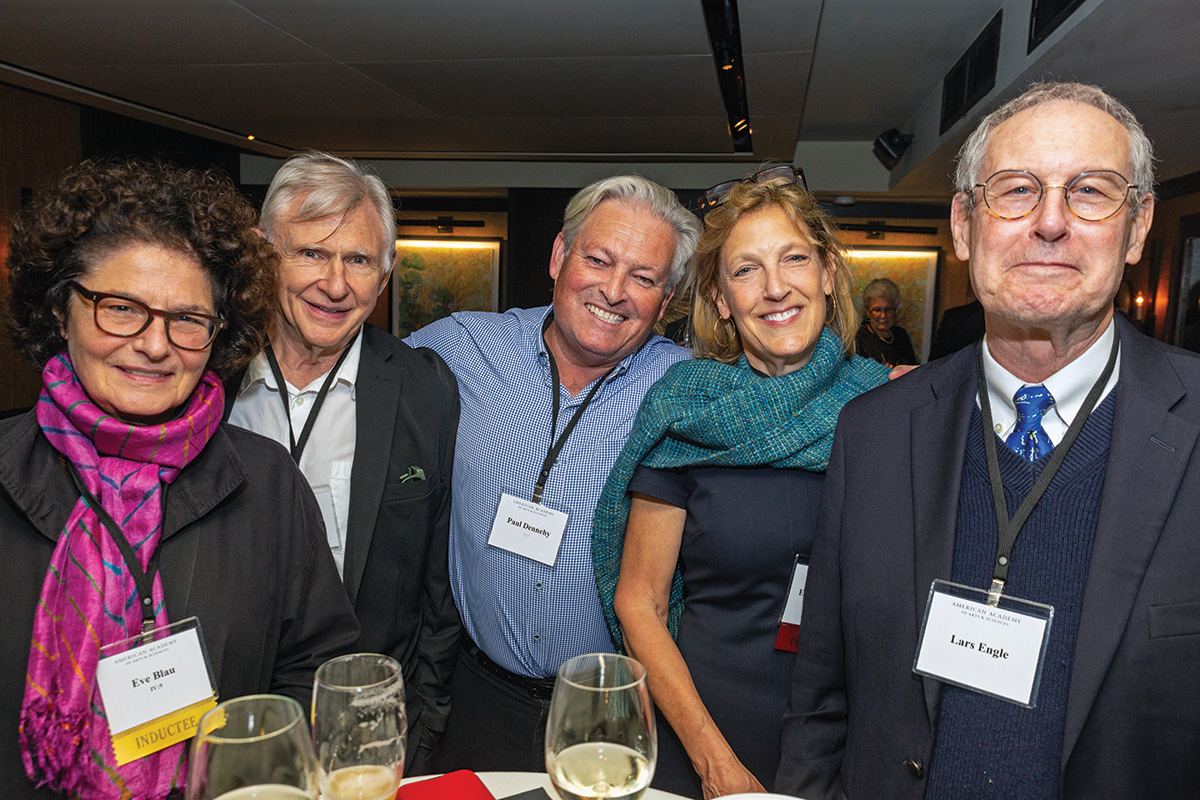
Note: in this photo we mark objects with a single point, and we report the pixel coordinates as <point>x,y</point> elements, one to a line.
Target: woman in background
<point>125,504</point>
<point>721,480</point>
<point>879,337</point>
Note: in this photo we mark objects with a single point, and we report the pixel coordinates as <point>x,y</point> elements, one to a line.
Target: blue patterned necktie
<point>1028,438</point>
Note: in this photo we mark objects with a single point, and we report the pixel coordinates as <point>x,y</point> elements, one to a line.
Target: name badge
<point>532,530</point>
<point>155,687</point>
<point>993,650</point>
<point>789,622</point>
<point>324,497</point>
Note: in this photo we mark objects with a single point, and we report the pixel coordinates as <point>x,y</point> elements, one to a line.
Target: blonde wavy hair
<point>716,338</point>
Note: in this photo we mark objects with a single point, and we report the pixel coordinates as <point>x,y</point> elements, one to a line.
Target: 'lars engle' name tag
<point>992,650</point>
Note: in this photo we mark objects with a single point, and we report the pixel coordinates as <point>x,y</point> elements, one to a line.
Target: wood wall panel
<point>39,138</point>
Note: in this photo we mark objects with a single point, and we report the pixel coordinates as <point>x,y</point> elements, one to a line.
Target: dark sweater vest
<point>989,748</point>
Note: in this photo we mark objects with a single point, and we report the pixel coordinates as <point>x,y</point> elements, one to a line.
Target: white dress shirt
<point>329,455</point>
<point>1069,387</point>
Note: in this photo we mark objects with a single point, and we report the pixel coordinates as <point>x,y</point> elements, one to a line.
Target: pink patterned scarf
<point>89,598</point>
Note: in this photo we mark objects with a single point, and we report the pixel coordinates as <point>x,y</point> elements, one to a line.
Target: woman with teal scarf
<point>715,495</point>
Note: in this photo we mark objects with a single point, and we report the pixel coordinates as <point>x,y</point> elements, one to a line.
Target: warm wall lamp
<point>442,224</point>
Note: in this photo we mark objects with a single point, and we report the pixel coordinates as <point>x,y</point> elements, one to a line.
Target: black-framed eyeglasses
<point>125,317</point>
<point>718,194</point>
<point>1092,196</point>
<point>882,310</point>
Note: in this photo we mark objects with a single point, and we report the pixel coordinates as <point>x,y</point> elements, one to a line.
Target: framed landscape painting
<point>434,277</point>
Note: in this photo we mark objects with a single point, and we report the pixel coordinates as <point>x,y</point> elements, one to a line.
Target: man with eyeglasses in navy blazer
<point>894,695</point>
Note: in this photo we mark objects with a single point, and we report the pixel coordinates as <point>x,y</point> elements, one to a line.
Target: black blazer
<point>861,725</point>
<point>396,569</point>
<point>961,326</point>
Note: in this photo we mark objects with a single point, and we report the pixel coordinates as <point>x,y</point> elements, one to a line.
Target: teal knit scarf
<point>705,413</point>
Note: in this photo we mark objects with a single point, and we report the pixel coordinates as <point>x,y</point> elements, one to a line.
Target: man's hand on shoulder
<point>903,369</point>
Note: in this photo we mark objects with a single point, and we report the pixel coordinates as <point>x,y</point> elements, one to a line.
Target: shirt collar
<point>259,370</point>
<point>1069,386</point>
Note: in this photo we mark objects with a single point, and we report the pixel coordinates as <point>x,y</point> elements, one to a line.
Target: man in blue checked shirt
<point>548,398</point>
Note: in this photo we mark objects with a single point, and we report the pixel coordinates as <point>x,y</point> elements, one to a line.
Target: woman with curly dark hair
<point>125,505</point>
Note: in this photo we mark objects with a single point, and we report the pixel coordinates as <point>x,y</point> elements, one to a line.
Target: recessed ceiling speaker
<point>890,146</point>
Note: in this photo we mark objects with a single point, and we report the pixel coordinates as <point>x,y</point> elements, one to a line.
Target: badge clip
<point>993,595</point>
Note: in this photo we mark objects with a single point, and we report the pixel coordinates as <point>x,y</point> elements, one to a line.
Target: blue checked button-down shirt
<point>528,617</point>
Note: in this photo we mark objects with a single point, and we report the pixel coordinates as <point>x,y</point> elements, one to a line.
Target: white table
<point>503,784</point>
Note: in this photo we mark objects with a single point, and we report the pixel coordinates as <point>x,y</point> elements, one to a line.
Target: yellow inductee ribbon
<point>161,733</point>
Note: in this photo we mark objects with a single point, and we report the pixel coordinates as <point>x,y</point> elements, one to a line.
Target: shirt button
<point>998,428</point>
<point>537,637</point>
<point>538,585</point>
<point>300,400</point>
<point>915,768</point>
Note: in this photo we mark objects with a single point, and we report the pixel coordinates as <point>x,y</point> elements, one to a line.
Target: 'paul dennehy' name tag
<point>994,650</point>
<point>529,529</point>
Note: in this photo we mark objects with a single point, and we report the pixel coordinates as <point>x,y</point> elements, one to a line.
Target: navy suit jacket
<point>396,569</point>
<point>861,725</point>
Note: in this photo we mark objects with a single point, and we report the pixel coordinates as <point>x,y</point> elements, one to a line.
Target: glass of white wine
<point>359,727</point>
<point>253,748</point>
<point>600,736</point>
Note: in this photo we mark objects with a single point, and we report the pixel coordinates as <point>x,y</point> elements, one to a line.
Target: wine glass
<point>253,748</point>
<point>359,727</point>
<point>600,736</point>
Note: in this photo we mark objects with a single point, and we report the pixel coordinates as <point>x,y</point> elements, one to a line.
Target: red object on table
<point>460,785</point>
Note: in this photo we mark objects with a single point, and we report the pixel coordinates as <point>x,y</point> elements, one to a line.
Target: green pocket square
<point>413,473</point>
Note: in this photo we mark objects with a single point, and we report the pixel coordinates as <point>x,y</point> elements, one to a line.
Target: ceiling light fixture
<point>724,33</point>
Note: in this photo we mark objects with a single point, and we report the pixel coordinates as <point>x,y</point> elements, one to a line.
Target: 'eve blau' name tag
<point>532,530</point>
<point>155,691</point>
<point>994,650</point>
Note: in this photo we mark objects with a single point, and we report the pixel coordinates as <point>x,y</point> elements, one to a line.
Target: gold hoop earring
<point>831,304</point>
<point>719,328</point>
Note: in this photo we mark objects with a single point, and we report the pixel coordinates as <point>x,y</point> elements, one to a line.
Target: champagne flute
<point>253,748</point>
<point>359,727</point>
<point>600,736</point>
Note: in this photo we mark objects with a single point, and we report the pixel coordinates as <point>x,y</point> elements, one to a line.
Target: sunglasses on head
<point>718,194</point>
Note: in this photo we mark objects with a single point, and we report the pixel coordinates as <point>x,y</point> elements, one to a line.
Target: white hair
<point>330,186</point>
<point>636,190</point>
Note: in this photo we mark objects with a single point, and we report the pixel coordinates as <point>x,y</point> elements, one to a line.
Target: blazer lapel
<point>1147,439</point>
<point>377,395</point>
<point>939,442</point>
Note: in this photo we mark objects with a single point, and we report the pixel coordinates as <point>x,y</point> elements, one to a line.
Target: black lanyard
<point>557,446</point>
<point>144,579</point>
<point>1007,529</point>
<point>297,448</point>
